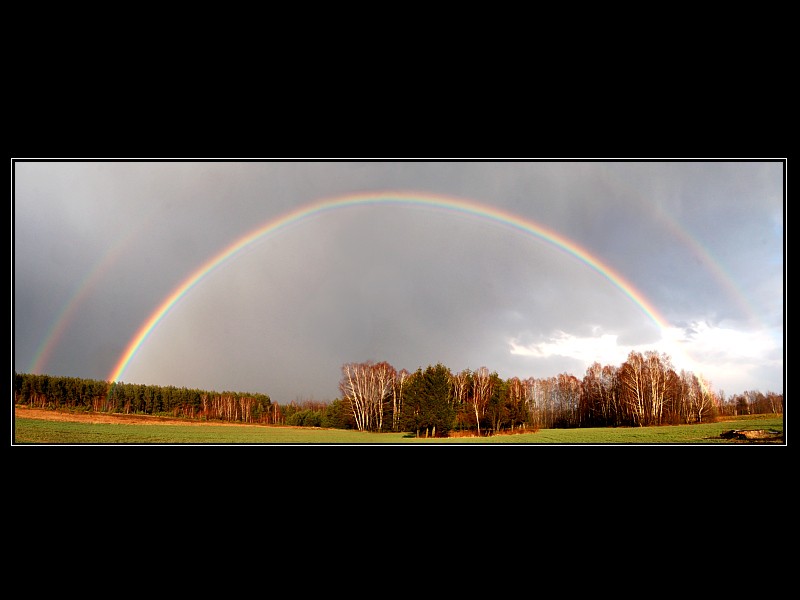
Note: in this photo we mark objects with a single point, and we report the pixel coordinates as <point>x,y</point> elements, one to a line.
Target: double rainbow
<point>437,202</point>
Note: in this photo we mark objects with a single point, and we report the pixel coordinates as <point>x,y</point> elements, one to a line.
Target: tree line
<point>45,391</point>
<point>77,394</point>
<point>645,390</point>
<point>752,402</point>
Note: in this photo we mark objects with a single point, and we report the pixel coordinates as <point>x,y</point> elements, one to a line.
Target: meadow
<point>38,431</point>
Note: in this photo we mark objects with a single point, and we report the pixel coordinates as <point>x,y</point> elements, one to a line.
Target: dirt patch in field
<point>122,419</point>
<point>116,418</point>
<point>763,436</point>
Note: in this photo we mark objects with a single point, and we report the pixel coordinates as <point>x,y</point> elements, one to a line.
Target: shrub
<point>305,418</point>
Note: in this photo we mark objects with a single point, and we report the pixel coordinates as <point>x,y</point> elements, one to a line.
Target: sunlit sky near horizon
<point>99,245</point>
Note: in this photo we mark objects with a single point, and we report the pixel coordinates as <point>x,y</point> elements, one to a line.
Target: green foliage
<point>498,409</point>
<point>338,416</point>
<point>432,402</point>
<point>427,405</point>
<point>305,418</point>
<point>73,393</point>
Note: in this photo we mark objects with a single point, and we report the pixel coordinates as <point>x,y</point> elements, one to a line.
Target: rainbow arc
<point>457,206</point>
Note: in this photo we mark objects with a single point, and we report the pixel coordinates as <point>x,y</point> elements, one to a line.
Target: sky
<point>100,246</point>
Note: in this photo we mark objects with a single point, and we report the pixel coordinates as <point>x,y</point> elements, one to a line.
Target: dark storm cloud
<point>408,286</point>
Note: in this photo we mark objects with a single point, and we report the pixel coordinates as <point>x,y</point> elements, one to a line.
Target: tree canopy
<point>428,402</point>
<point>645,390</point>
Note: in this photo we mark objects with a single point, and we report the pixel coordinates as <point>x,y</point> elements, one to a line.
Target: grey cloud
<point>408,286</point>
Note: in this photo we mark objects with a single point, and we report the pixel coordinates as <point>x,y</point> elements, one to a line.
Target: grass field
<point>36,431</point>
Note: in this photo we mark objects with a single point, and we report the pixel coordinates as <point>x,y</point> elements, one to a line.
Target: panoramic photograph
<point>370,302</point>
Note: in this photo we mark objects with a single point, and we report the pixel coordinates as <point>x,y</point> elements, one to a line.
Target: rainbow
<point>700,251</point>
<point>393,198</point>
<point>59,325</point>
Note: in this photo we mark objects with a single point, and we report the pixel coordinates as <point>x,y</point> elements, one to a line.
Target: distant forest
<point>44,391</point>
<point>644,390</point>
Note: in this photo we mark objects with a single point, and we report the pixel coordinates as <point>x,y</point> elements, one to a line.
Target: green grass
<point>34,431</point>
<point>678,434</point>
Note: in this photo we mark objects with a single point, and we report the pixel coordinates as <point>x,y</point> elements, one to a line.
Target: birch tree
<point>481,393</point>
<point>461,383</point>
<point>353,387</point>
<point>703,404</point>
<point>632,387</point>
<point>594,405</point>
<point>383,375</point>
<point>533,400</point>
<point>397,397</point>
<point>568,389</point>
<point>365,386</point>
<point>658,367</point>
<point>516,401</point>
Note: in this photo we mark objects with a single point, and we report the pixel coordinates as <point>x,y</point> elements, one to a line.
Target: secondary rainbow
<point>688,239</point>
<point>64,318</point>
<point>418,200</point>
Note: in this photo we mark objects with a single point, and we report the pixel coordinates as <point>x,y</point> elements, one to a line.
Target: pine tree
<point>427,405</point>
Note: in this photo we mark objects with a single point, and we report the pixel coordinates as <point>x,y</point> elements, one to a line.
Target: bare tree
<point>703,396</point>
<point>460,383</point>
<point>632,387</point>
<point>481,393</point>
<point>365,386</point>
<point>383,375</point>
<point>657,374</point>
<point>534,399</point>
<point>775,402</point>
<point>353,388</point>
<point>397,397</point>
<point>516,401</point>
<point>568,390</point>
<point>595,409</point>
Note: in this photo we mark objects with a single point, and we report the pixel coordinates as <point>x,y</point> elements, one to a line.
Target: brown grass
<point>113,418</point>
<point>470,433</point>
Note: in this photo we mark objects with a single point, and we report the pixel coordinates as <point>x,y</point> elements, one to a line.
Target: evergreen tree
<point>426,406</point>
<point>338,416</point>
